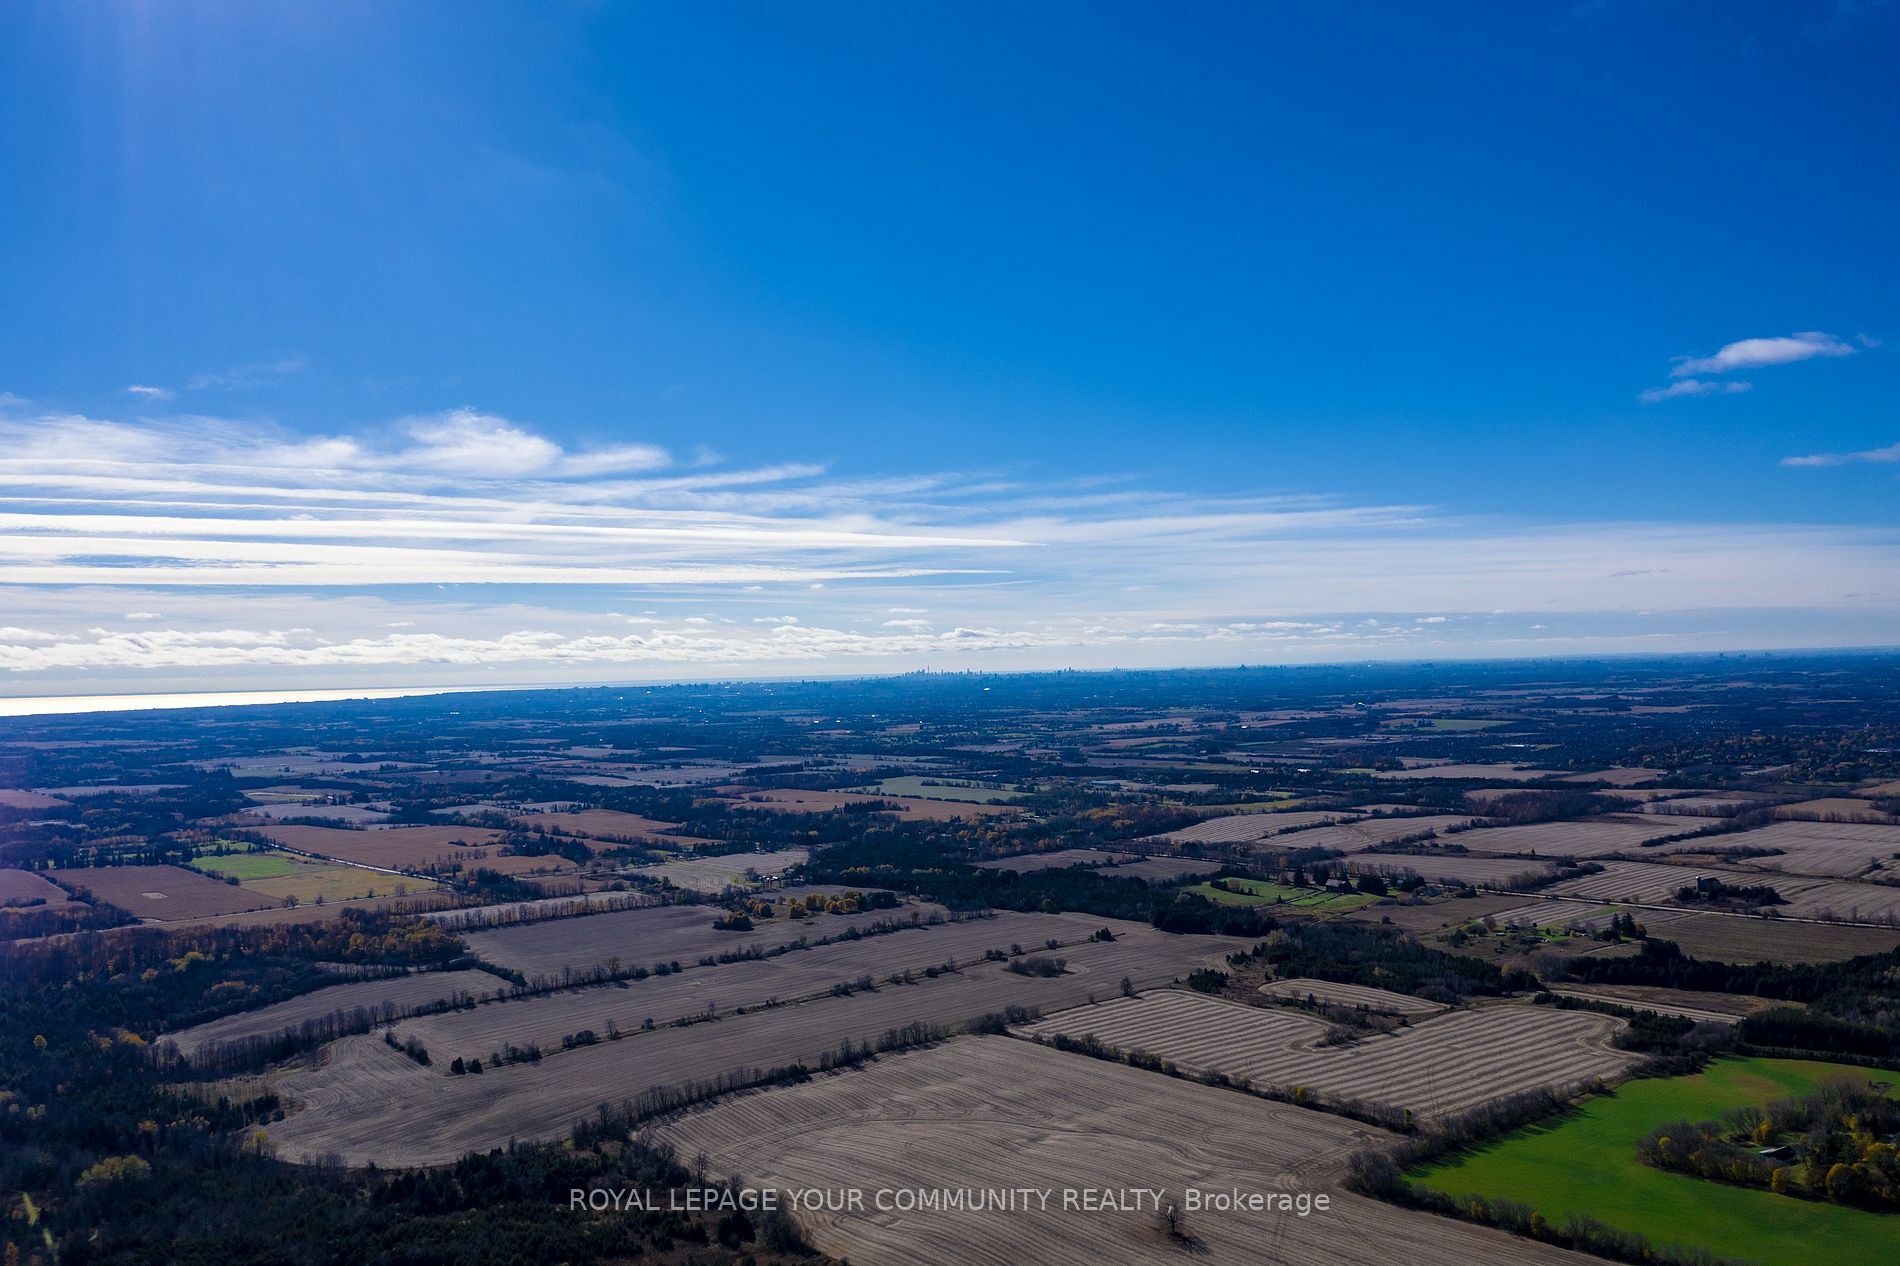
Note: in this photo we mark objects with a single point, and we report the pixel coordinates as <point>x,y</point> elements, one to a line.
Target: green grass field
<point>1585,1163</point>
<point>1447,725</point>
<point>307,881</point>
<point>244,865</point>
<point>1261,892</point>
<point>1282,804</point>
<point>915,786</point>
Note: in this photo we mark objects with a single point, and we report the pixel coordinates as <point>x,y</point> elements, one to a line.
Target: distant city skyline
<point>374,346</point>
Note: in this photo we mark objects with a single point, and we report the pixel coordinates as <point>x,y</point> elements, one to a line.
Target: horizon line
<point>22,706</point>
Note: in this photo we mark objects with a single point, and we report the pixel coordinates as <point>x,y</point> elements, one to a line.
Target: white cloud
<point>149,393</point>
<point>221,648</point>
<point>351,554</point>
<point>252,375</point>
<point>1693,387</point>
<point>466,442</point>
<point>1748,353</point>
<point>1875,456</point>
<point>1758,353</point>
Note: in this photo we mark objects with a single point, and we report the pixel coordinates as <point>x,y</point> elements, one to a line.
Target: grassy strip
<point>1580,1168</point>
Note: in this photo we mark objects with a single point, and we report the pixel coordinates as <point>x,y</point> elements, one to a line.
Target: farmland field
<point>1837,899</point>
<point>1163,870</point>
<point>607,824</point>
<point>1262,892</point>
<point>1447,725</point>
<point>514,913</point>
<point>1628,881</point>
<point>21,887</point>
<point>348,1081</point>
<point>410,990</point>
<point>1836,849</point>
<point>1301,988</point>
<point>162,893</point>
<point>418,899</point>
<point>1834,808</point>
<point>1434,1068</point>
<point>1493,872</point>
<point>305,764</point>
<point>284,875</point>
<point>1705,805</point>
<point>1357,837</point>
<point>397,848</point>
<point>350,814</point>
<point>311,881</point>
<point>15,798</point>
<point>1433,915</point>
<point>796,800</point>
<point>1578,837</point>
<point>1618,777</point>
<point>1585,1163</point>
<point>727,987</point>
<point>1585,915</point>
<point>1026,862</point>
<point>1247,828</point>
<point>1720,938</point>
<point>243,866</point>
<point>717,872</point>
<point>662,776</point>
<point>937,789</point>
<point>402,1113</point>
<point>1113,865</point>
<point>1723,1008</point>
<point>1803,897</point>
<point>1503,773</point>
<point>102,789</point>
<point>648,935</point>
<point>991,1112</point>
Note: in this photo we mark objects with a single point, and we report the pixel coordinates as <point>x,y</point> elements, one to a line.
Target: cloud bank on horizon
<point>463,547</point>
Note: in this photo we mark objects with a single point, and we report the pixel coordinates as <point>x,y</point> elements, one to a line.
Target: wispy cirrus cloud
<point>1694,387</point>
<point>1873,456</point>
<point>235,378</point>
<point>256,374</point>
<point>184,546</point>
<point>219,454</point>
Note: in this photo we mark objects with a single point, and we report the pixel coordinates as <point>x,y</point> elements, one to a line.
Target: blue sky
<point>581,342</point>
